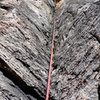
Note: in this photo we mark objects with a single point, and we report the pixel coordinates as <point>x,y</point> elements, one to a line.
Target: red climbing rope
<point>51,57</point>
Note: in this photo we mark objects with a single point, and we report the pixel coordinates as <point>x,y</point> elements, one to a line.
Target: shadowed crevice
<point>6,7</point>
<point>10,74</point>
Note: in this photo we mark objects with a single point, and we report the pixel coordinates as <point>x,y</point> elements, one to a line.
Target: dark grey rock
<point>25,41</point>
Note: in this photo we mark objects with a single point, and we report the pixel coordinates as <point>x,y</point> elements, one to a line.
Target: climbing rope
<point>51,57</point>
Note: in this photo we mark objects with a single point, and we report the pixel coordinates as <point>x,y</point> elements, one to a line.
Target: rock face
<point>25,41</point>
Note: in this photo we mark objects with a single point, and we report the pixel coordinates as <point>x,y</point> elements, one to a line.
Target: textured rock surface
<point>25,40</point>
